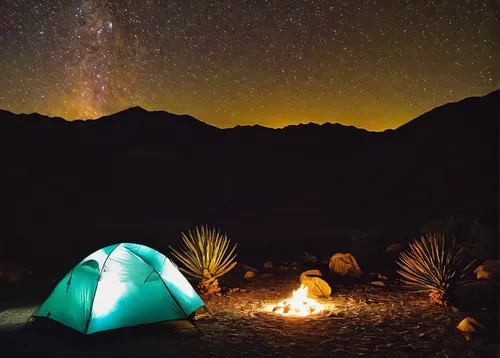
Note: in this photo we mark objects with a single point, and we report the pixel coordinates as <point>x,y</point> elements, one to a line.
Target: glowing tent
<point>119,286</point>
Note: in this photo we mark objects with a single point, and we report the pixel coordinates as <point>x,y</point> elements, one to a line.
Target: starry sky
<point>374,64</point>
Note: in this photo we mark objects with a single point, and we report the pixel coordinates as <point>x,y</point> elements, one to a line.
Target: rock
<point>469,325</point>
<point>489,270</point>
<point>268,265</point>
<point>378,276</point>
<point>308,258</point>
<point>236,289</point>
<point>344,265</point>
<point>249,275</point>
<point>317,286</point>
<point>378,283</point>
<point>310,273</point>
<point>394,248</point>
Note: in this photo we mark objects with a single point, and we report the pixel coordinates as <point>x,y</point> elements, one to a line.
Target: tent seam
<point>95,291</point>
<point>161,279</point>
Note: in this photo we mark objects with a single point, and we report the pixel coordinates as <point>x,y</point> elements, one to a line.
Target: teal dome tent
<point>119,286</point>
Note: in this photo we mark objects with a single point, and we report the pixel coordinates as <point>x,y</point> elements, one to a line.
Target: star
<point>371,64</point>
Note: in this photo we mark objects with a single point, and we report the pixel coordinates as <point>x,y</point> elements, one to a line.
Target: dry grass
<point>360,321</point>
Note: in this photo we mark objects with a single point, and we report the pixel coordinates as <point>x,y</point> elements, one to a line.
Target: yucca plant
<point>204,254</point>
<point>433,265</point>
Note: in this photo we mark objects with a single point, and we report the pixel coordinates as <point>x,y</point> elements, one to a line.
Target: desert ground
<point>358,320</point>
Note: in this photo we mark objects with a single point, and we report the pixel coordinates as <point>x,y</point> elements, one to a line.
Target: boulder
<point>469,325</point>
<point>310,273</point>
<point>344,265</point>
<point>489,270</point>
<point>317,286</point>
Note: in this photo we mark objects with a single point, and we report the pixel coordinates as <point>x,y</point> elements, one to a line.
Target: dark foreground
<point>362,320</point>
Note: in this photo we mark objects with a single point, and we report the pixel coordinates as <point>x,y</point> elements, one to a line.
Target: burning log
<point>299,305</point>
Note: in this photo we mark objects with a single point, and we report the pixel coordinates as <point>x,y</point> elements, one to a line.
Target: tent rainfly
<point>121,285</point>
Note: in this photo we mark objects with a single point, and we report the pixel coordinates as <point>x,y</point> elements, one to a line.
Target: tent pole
<point>193,322</point>
<point>210,311</point>
<point>32,315</point>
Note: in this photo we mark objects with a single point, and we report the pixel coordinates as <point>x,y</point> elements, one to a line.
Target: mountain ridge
<point>136,110</point>
<point>75,186</point>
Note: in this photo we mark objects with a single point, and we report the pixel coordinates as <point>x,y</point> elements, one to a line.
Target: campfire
<point>299,305</point>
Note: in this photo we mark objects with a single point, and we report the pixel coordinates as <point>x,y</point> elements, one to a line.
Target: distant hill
<point>145,176</point>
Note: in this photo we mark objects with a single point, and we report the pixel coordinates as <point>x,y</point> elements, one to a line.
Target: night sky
<point>371,64</point>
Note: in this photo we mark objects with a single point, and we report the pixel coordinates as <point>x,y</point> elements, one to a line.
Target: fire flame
<point>299,305</point>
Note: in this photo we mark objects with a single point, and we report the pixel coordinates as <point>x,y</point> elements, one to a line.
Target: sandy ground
<point>361,320</point>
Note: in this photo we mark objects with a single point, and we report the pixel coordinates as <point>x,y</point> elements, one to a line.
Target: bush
<point>204,254</point>
<point>434,265</point>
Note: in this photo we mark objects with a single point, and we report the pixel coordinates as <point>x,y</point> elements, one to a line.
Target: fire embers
<point>299,305</point>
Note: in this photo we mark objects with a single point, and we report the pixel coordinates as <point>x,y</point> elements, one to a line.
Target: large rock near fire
<point>317,286</point>
<point>309,273</point>
<point>344,265</point>
<point>489,270</point>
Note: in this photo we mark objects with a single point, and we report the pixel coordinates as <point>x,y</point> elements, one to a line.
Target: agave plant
<point>204,254</point>
<point>433,265</point>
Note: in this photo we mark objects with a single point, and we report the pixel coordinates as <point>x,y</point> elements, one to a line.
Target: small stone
<point>394,248</point>
<point>236,289</point>
<point>249,275</point>
<point>268,265</point>
<point>381,277</point>
<point>489,270</point>
<point>378,283</point>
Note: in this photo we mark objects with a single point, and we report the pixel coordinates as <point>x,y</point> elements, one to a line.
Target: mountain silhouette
<point>146,176</point>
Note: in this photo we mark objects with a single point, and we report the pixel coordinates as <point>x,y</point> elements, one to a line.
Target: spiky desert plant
<point>433,265</point>
<point>204,254</point>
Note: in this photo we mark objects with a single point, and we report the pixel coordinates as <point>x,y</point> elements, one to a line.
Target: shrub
<point>433,265</point>
<point>204,254</point>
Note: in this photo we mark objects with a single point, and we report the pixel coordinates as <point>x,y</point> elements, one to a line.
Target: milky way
<point>372,64</point>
